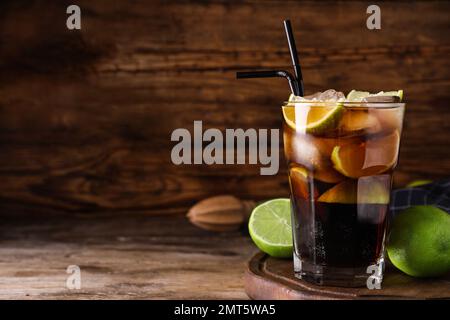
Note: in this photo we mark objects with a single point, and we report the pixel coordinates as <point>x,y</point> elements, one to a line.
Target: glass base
<point>370,277</point>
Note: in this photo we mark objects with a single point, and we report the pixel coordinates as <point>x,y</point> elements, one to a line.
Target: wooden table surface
<point>137,257</point>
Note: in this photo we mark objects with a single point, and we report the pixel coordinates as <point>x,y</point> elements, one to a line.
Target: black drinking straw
<point>294,54</point>
<point>271,74</point>
<point>295,83</point>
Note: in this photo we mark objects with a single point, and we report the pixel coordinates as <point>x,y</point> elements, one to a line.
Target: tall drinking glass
<point>341,157</point>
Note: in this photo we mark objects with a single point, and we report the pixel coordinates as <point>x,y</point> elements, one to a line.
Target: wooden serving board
<point>270,278</point>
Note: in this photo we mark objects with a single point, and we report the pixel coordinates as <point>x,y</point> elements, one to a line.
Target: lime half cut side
<point>270,227</point>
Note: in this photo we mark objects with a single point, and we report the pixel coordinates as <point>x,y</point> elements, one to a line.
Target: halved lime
<point>318,118</point>
<point>357,96</point>
<point>270,227</point>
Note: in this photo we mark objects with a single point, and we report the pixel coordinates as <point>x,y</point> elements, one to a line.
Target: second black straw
<point>294,55</point>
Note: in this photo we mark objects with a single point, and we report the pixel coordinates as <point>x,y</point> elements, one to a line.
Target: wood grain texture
<point>86,116</point>
<point>120,258</point>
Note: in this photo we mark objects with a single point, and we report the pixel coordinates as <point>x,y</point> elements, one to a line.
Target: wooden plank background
<point>86,116</point>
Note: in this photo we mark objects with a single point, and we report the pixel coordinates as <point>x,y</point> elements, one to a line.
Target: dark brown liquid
<point>337,234</point>
<point>340,181</point>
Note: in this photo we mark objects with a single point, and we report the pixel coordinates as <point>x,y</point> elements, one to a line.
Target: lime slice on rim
<point>320,118</point>
<point>270,227</point>
<point>357,96</point>
<point>398,93</point>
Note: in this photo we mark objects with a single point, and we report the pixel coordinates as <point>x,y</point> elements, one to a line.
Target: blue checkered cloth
<point>436,194</point>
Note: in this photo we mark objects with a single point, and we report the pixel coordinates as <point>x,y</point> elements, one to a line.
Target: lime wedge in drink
<point>373,190</point>
<point>357,96</point>
<point>317,118</point>
<point>270,227</point>
<point>352,159</point>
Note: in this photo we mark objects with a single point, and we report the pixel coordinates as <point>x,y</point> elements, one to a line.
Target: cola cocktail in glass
<point>340,157</point>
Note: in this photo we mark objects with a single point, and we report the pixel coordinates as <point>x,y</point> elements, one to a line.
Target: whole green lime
<point>419,241</point>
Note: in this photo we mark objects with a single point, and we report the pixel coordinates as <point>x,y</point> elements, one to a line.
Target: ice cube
<point>300,148</point>
<point>358,121</point>
<point>313,96</point>
<point>331,95</point>
<point>389,119</point>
